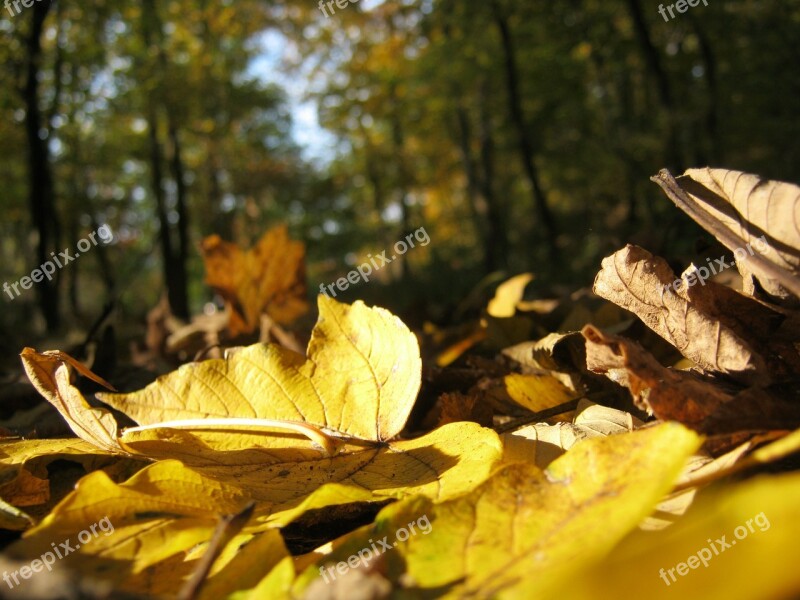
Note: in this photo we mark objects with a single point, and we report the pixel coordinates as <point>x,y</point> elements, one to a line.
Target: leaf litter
<point>547,443</point>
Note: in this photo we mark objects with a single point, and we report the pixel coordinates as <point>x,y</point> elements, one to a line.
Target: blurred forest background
<point>520,134</point>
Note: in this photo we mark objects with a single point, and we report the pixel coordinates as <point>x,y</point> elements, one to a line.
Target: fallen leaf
<point>538,392</point>
<point>360,379</point>
<point>746,528</point>
<point>716,328</point>
<point>739,209</point>
<point>507,534</point>
<point>508,295</point>
<point>698,402</point>
<point>270,277</point>
<point>541,444</point>
<point>49,374</point>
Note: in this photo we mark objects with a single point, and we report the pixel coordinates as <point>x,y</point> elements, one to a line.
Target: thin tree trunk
<point>496,210</point>
<point>473,186</point>
<point>164,232</point>
<point>180,260</point>
<point>712,121</point>
<point>526,145</point>
<point>403,179</point>
<point>653,59</point>
<point>41,192</point>
<point>174,267</point>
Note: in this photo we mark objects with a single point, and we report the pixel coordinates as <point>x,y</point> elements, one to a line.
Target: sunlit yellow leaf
<point>508,533</point>
<point>245,563</point>
<point>361,378</point>
<point>538,392</point>
<point>49,373</point>
<point>508,295</point>
<point>161,511</point>
<point>758,519</point>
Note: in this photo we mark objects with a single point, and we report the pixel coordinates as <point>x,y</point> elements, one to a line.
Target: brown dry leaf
<point>738,209</point>
<point>561,355</point>
<point>270,278</point>
<point>25,490</point>
<point>701,403</point>
<point>452,407</point>
<point>715,327</point>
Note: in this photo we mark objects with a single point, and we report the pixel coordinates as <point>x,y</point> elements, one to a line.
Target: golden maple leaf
<point>268,278</point>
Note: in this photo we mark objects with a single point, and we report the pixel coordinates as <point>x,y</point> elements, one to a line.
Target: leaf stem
<point>312,432</point>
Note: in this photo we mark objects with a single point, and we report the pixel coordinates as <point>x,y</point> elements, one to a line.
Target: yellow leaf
<point>757,518</point>
<point>163,510</point>
<point>274,586</point>
<point>510,532</point>
<point>248,559</point>
<point>268,278</point>
<point>443,464</point>
<point>167,508</point>
<point>17,453</point>
<point>12,518</point>
<point>508,295</point>
<point>23,473</point>
<point>360,379</point>
<point>538,392</point>
<point>49,373</point>
<point>541,444</point>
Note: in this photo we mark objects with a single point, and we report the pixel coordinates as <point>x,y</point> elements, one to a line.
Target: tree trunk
<point>41,192</point>
<point>180,260</point>
<point>164,231</point>
<point>403,178</point>
<point>496,210</point>
<point>473,186</point>
<point>174,264</point>
<point>526,146</point>
<point>653,59</point>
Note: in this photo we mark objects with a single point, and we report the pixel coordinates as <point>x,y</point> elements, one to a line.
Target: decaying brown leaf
<point>715,327</point>
<point>738,209</point>
<point>700,402</point>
